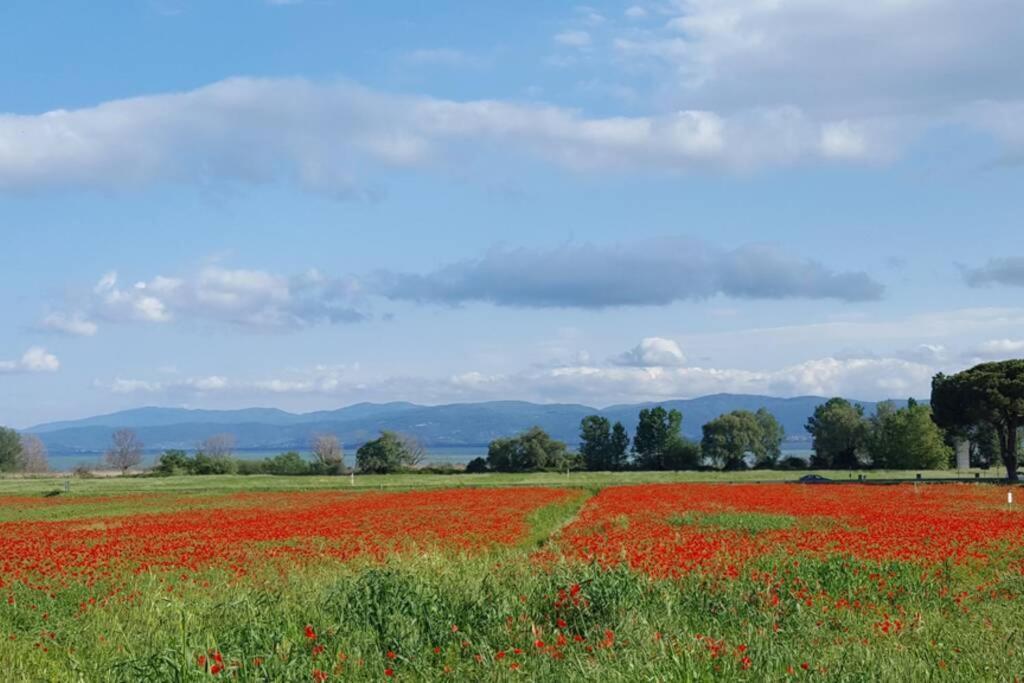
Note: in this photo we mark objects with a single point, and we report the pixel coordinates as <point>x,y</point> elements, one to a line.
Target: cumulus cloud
<point>999,271</point>
<point>652,352</point>
<point>36,359</point>
<point>656,272</point>
<point>75,324</point>
<point>997,349</point>
<point>335,138</point>
<point>245,298</point>
<point>655,370</point>
<point>845,67</point>
<point>924,353</point>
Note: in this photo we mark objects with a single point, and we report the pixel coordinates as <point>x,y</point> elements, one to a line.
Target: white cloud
<point>246,298</point>
<point>36,359</point>
<point>74,324</point>
<point>635,12</point>
<point>998,349</point>
<point>337,139</point>
<point>321,379</point>
<point>573,38</point>
<point>847,68</point>
<point>652,352</point>
<point>661,374</point>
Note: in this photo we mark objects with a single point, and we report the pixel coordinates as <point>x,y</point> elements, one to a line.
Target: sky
<point>311,203</point>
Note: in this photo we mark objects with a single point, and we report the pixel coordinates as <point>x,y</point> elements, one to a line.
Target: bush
<point>250,466</point>
<point>214,464</point>
<point>174,462</point>
<point>476,466</point>
<point>792,462</point>
<point>286,463</point>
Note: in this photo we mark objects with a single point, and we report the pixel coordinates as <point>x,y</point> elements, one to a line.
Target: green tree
<point>175,462</point>
<point>476,466</point>
<point>729,438</point>
<point>10,449</point>
<point>772,436</point>
<point>681,454</point>
<point>839,434</point>
<point>595,441</point>
<point>618,450</point>
<point>657,430</point>
<point>532,450</point>
<point>989,393</point>
<point>387,453</point>
<point>215,463</point>
<point>603,446</point>
<point>286,463</point>
<point>907,438</point>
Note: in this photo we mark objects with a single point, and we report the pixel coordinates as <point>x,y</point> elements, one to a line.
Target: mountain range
<point>457,424</point>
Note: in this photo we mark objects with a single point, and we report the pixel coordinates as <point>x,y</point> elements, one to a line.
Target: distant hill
<point>457,424</point>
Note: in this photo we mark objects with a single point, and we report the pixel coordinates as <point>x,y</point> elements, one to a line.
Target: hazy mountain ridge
<point>457,424</point>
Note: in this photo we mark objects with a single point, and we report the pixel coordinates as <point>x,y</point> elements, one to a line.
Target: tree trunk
<point>1010,451</point>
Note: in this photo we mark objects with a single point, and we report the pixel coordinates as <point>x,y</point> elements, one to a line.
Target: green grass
<point>501,600</point>
<point>409,607</point>
<point>39,486</point>
<point>750,522</point>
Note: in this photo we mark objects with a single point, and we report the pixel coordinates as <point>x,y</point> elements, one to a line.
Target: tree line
<point>983,405</point>
<point>729,441</point>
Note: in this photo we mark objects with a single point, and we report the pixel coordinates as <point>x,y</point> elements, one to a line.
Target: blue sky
<point>309,204</point>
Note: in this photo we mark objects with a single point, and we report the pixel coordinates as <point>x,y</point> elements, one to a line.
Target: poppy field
<point>676,581</point>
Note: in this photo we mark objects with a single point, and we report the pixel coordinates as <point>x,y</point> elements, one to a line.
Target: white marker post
<point>352,478</point>
<point>1009,497</point>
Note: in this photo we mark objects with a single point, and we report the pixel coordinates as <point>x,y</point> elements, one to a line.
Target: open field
<point>638,576</point>
<point>39,485</point>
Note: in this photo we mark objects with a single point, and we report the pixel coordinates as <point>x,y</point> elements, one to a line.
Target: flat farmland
<point>548,577</point>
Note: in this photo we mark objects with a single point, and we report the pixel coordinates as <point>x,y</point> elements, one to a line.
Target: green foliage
<point>839,433</point>
<point>791,462</point>
<point>681,454</point>
<point>729,438</point>
<point>10,449</point>
<point>388,453</point>
<point>989,393</point>
<point>657,432</point>
<point>476,466</point>
<point>532,450</point>
<point>602,446</point>
<point>286,463</point>
<point>907,438</point>
<point>174,462</point>
<point>772,435</point>
<point>214,464</point>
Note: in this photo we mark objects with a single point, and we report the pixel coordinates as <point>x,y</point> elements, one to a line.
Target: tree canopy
<point>989,393</point>
<point>657,438</point>
<point>839,434</point>
<point>10,449</point>
<point>729,438</point>
<point>534,449</point>
<point>603,446</point>
<point>907,438</point>
<point>387,453</point>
